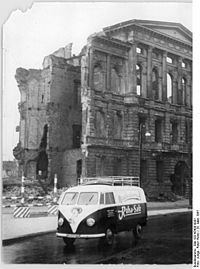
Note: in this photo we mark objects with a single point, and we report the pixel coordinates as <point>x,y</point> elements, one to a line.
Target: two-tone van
<point>100,208</point>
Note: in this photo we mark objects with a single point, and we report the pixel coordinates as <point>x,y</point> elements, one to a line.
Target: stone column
<point>132,61</point>
<point>108,77</point>
<point>160,83</point>
<point>149,72</point>
<point>91,67</point>
<point>179,78</point>
<point>189,92</point>
<point>164,76</point>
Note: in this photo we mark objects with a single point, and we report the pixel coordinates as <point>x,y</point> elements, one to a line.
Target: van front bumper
<point>80,235</point>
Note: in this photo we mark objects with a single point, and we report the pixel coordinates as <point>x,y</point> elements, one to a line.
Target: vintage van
<point>100,208</point>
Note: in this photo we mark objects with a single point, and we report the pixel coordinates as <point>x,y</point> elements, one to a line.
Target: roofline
<point>153,23</point>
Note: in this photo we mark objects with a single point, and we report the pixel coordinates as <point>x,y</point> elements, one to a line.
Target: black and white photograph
<point>97,134</point>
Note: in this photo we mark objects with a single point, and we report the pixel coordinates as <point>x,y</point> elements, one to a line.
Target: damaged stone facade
<point>50,112</point>
<point>89,114</point>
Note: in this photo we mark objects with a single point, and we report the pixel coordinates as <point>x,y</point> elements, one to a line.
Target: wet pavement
<point>166,240</point>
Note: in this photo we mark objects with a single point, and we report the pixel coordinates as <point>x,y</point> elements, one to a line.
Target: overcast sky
<point>28,37</point>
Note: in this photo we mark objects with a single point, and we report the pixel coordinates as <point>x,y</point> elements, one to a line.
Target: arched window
<point>115,80</point>
<point>100,124</point>
<point>98,77</point>
<point>155,87</point>
<point>139,79</point>
<point>118,125</point>
<point>184,88</point>
<point>169,87</point>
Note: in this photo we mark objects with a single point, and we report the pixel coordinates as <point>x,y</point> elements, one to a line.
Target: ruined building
<point>89,115</point>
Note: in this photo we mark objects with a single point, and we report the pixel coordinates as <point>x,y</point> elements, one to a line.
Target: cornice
<point>114,41</point>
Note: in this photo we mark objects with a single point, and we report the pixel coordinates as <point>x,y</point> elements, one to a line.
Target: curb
<point>6,242</point>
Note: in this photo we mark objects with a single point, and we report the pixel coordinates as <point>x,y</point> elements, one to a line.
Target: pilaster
<point>149,72</point>
<point>132,61</point>
<point>164,76</point>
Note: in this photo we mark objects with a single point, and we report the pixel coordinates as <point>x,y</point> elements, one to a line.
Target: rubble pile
<point>33,194</point>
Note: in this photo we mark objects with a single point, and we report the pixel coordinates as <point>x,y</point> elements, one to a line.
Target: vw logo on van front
<point>76,210</point>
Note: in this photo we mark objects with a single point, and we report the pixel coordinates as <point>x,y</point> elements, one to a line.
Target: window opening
<point>169,88</point>
<point>109,198</point>
<point>184,87</point>
<point>88,198</point>
<point>70,198</point>
<point>174,132</point>
<point>158,131</point>
<point>169,60</point>
<point>115,80</point>
<point>142,129</point>
<point>102,198</point>
<point>155,87</point>
<point>139,79</point>
<point>139,50</point>
<point>76,136</point>
<point>183,64</point>
<point>98,78</point>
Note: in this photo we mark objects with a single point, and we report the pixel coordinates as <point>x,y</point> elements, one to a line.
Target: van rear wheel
<point>68,241</point>
<point>138,231</point>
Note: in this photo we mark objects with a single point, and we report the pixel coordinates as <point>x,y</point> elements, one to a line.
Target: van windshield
<point>88,198</point>
<point>70,198</point>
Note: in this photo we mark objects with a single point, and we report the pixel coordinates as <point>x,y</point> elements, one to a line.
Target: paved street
<point>167,240</point>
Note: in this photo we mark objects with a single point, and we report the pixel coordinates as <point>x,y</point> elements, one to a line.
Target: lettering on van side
<point>129,211</point>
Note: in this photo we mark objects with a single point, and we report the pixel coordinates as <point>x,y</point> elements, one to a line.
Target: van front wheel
<point>109,237</point>
<point>68,241</point>
<point>138,231</point>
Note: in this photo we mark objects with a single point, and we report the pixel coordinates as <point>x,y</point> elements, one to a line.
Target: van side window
<point>129,196</point>
<point>109,197</point>
<point>101,198</point>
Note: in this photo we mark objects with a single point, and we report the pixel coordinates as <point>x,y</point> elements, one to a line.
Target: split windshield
<point>70,198</point>
<point>84,198</point>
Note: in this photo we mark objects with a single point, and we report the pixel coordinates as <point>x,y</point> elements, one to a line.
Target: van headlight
<point>90,222</point>
<point>60,221</point>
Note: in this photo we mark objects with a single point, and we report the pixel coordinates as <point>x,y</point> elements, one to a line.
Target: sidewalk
<point>15,228</point>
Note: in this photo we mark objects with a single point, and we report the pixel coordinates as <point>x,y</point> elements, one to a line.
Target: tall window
<point>174,132</point>
<point>115,80</point>
<point>158,130</point>
<point>141,129</point>
<point>100,124</point>
<point>118,125</point>
<point>155,87</point>
<point>184,88</point>
<point>139,79</point>
<point>169,87</point>
<point>76,136</point>
<point>78,169</point>
<point>98,78</point>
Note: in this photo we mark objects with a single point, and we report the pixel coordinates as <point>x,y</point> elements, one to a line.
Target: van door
<point>108,211</point>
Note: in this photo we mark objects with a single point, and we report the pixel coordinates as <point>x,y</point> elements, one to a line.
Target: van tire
<point>109,236</point>
<point>138,231</point>
<point>68,241</point>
